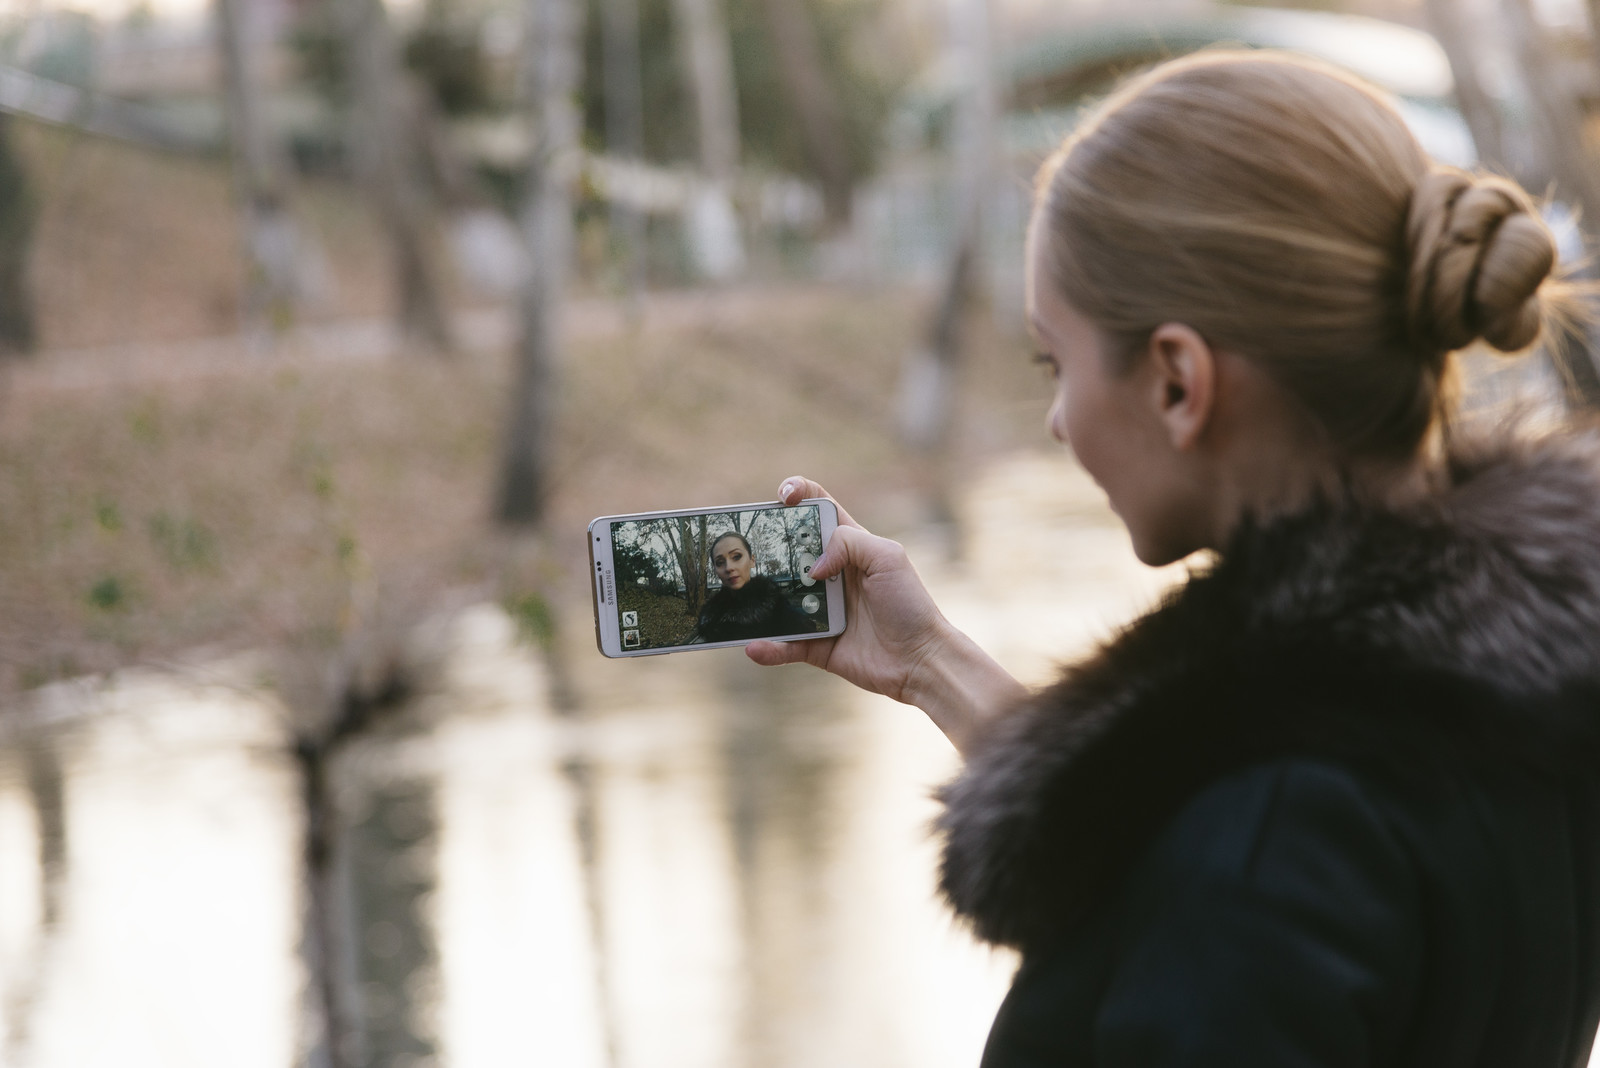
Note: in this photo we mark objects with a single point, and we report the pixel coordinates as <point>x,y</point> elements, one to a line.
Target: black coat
<point>1336,802</point>
<point>758,609</point>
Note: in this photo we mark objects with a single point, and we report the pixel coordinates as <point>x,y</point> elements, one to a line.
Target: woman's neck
<point>1282,482</point>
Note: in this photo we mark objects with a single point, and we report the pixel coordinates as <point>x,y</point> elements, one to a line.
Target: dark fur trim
<point>758,609</point>
<point>1463,628</point>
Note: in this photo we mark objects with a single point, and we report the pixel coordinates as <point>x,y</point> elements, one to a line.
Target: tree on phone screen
<point>687,538</point>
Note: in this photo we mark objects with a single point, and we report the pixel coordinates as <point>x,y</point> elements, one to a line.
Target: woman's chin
<point>1155,552</point>
<point>1152,551</point>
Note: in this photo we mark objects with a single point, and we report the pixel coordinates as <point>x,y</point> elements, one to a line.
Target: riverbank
<point>154,500</point>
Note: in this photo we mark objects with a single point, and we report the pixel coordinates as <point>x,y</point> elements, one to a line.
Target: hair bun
<point>1478,254</point>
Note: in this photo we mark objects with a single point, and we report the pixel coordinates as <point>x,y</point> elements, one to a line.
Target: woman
<point>1336,801</point>
<point>747,606</point>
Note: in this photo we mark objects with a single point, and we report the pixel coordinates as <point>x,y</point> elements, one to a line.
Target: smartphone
<point>710,578</point>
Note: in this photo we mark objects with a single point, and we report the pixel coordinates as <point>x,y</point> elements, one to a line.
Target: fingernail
<point>788,488</point>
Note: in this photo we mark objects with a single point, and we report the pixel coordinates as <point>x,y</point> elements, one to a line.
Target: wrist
<point>960,687</point>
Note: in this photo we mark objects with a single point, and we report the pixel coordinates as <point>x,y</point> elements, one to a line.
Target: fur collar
<point>751,604</point>
<point>1462,628</point>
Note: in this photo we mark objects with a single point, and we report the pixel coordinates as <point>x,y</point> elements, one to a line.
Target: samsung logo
<point>608,589</point>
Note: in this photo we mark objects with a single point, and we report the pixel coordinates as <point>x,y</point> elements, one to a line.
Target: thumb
<point>772,654</point>
<point>852,547</point>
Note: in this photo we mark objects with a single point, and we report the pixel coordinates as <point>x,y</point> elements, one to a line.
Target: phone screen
<point>715,577</point>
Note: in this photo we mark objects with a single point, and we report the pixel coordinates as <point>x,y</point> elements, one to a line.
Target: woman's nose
<point>1056,420</point>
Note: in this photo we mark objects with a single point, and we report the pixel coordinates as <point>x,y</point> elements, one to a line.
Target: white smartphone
<point>709,578</point>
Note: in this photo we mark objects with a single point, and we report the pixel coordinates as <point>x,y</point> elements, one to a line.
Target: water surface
<point>705,864</point>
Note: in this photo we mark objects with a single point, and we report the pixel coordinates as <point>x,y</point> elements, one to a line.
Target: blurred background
<point>325,328</point>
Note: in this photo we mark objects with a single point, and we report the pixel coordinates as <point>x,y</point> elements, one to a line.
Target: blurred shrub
<point>449,59</point>
<point>864,76</point>
<point>185,544</point>
<point>632,564</point>
<point>535,621</point>
<point>108,594</point>
<point>445,51</point>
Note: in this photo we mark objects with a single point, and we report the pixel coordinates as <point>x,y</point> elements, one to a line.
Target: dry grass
<point>135,245</point>
<point>280,502</point>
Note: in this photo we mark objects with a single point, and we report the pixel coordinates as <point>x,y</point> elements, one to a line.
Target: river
<point>706,865</point>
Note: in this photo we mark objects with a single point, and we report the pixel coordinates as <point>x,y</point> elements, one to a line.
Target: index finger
<point>797,488</point>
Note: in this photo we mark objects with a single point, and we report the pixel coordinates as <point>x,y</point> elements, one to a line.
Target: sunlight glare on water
<point>175,926</point>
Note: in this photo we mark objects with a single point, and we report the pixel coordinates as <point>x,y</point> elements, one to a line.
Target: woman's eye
<point>1049,363</point>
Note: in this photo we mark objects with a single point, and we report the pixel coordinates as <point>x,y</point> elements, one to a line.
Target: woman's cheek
<point>1077,420</point>
<point>1077,430</point>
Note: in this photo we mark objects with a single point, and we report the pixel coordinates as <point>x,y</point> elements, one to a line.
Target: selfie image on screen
<point>695,579</point>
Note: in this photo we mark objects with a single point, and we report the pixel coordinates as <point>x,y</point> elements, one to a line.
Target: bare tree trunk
<point>689,551</point>
<point>387,161</point>
<point>18,213</point>
<point>1557,113</point>
<point>1594,27</point>
<point>811,94</point>
<point>927,383</point>
<point>930,373</point>
<point>702,556</point>
<point>688,566</point>
<point>340,702</point>
<point>331,1034</point>
<point>790,520</point>
<point>624,101</point>
<point>27,976</point>
<point>259,173</point>
<point>928,380</point>
<point>1477,106</point>
<point>552,78</point>
<point>707,60</point>
<point>1559,118</point>
<point>581,774</point>
<point>444,171</point>
<point>392,870</point>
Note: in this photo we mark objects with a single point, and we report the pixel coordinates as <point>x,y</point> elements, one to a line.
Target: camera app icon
<point>630,619</point>
<point>630,639</point>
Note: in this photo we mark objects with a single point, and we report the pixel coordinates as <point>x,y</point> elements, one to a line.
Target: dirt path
<point>372,340</point>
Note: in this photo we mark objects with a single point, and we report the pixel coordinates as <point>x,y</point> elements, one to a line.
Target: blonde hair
<point>1284,210</point>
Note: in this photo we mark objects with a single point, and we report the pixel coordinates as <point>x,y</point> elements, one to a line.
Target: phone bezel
<point>602,574</point>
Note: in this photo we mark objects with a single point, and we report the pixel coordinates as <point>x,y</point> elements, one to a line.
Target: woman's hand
<point>893,622</point>
<point>897,642</point>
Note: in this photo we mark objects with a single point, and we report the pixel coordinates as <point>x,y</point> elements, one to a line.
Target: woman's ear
<point>1184,387</point>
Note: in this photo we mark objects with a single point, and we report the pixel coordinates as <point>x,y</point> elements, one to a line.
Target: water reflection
<point>782,770</point>
<point>32,891</point>
<point>392,875</point>
<point>518,964</point>
<point>704,865</point>
<point>172,940</point>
